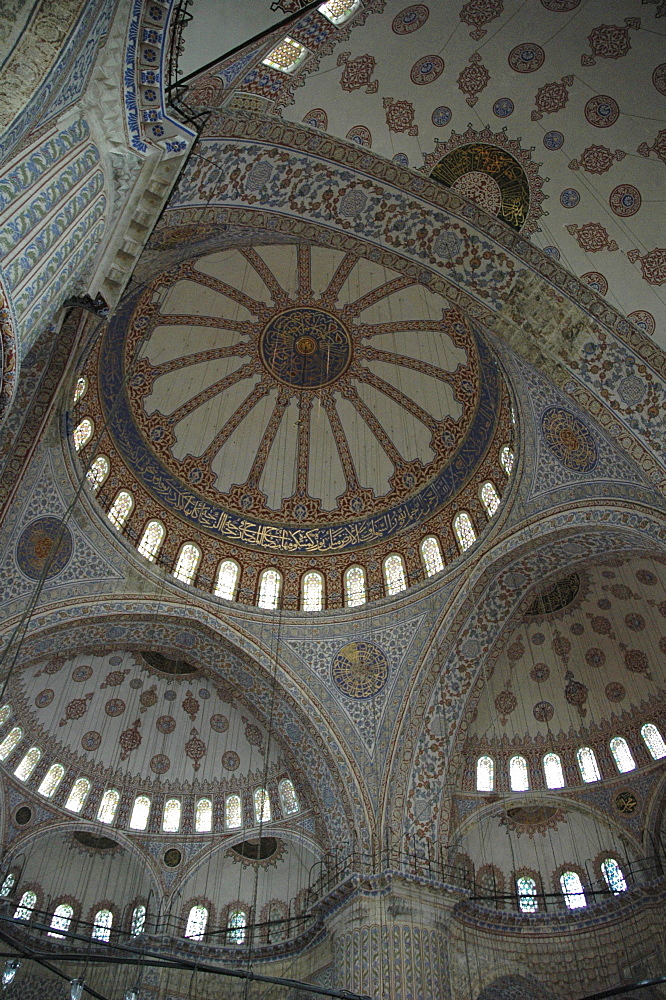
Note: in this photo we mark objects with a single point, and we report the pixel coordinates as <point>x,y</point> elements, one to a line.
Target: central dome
<point>305,348</point>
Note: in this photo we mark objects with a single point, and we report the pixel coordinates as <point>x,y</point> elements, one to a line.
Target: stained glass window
<point>572,887</point>
<point>8,884</point>
<point>26,905</point>
<point>286,56</point>
<point>612,873</point>
<point>262,806</point>
<point>519,778</point>
<point>236,925</point>
<point>464,529</point>
<point>82,433</point>
<point>355,592</point>
<point>196,923</point>
<point>527,894</point>
<point>227,579</point>
<point>188,560</point>
<point>61,919</point>
<point>288,797</point>
<point>270,582</point>
<point>120,509</point>
<point>654,741</point>
<point>339,11</point>
<point>6,711</point>
<point>80,389</point>
<point>313,591</point>
<point>431,554</point>
<point>28,764</point>
<point>203,816</point>
<point>171,820</point>
<point>151,540</point>
<point>138,920</point>
<point>78,795</point>
<point>506,459</point>
<point>98,471</point>
<point>552,769</point>
<point>490,498</point>
<point>485,774</point>
<point>587,762</point>
<point>107,807</point>
<point>622,755</point>
<point>140,813</point>
<point>233,812</point>
<point>394,574</point>
<point>102,925</point>
<point>51,780</point>
<point>10,742</point>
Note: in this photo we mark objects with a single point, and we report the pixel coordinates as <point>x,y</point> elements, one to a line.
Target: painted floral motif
<point>569,439</point>
<point>230,760</point>
<point>653,264</point>
<point>597,159</point>
<point>540,672</point>
<point>82,673</point>
<point>609,41</point>
<point>91,741</point>
<point>190,706</point>
<point>52,667</point>
<point>477,13</point>
<point>253,735</point>
<point>130,739</point>
<point>160,763</point>
<point>596,281</point>
<point>473,79</point>
<point>551,97</point>
<point>165,724</point>
<point>410,19</point>
<point>659,78</point>
<point>441,116</point>
<point>615,692</point>
<point>317,118</point>
<point>601,626</point>
<point>553,140</point>
<point>543,711</point>
<point>361,135</point>
<point>426,70</point>
<point>560,6</point>
<point>526,57</point>
<point>625,200</point>
<point>636,661</point>
<point>634,622</point>
<point>75,709</point>
<point>658,147</point>
<point>358,73</point>
<point>195,749</point>
<point>602,111</point>
<point>505,703</point>
<point>644,320</point>
<point>575,692</point>
<point>592,237</point>
<point>503,107</point>
<point>114,707</point>
<point>115,678</point>
<point>400,116</point>
<point>148,698</point>
<point>44,698</point>
<point>569,198</point>
<point>219,723</point>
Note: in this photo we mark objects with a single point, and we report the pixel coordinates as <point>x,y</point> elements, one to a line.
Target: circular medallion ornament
<point>615,692</point>
<point>44,698</point>
<point>526,57</point>
<point>483,190</point>
<point>44,548</point>
<point>219,723</point>
<point>540,672</point>
<point>568,439</point>
<point>543,711</point>
<point>402,159</point>
<point>172,857</point>
<point>560,6</point>
<point>306,348</point>
<point>23,815</point>
<point>602,111</point>
<point>647,578</point>
<point>426,70</point>
<point>596,281</point>
<point>625,200</point>
<point>489,176</point>
<point>317,118</point>
<point>506,702</point>
<point>441,116</point>
<point>114,707</point>
<point>82,673</point>
<point>230,760</point>
<point>410,19</point>
<point>644,320</point>
<point>165,724</point>
<point>659,78</point>
<point>91,741</point>
<point>503,108</point>
<point>626,802</point>
<point>636,661</point>
<point>360,669</point>
<point>160,763</point>
<point>569,198</point>
<point>553,140</point>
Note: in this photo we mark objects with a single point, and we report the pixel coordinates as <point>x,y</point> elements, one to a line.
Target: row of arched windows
<point>519,779</point>
<point>571,885</point>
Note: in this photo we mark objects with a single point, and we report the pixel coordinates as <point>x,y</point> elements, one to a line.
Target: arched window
<point>78,795</point>
<point>519,778</point>
<point>28,764</point>
<point>189,558</point>
<point>431,554</point>
<point>612,873</point>
<point>98,471</point>
<point>339,11</point>
<point>171,819</point>
<point>83,433</point>
<point>394,574</point>
<point>120,509</point>
<point>464,530</point>
<point>653,740</point>
<point>196,923</point>
<point>572,888</point>
<point>26,905</point>
<point>622,755</point>
<point>527,894</point>
<point>552,769</point>
<point>312,591</point>
<point>8,884</point>
<point>270,583</point>
<point>262,806</point>
<point>140,813</point>
<point>102,925</point>
<point>61,919</point>
<point>51,780</point>
<point>6,711</point>
<point>80,389</point>
<point>10,742</point>
<point>587,762</point>
<point>288,797</point>
<point>203,816</point>
<point>233,812</point>
<point>236,924</point>
<point>227,579</point>
<point>355,592</point>
<point>151,540</point>
<point>485,774</point>
<point>506,459</point>
<point>490,498</point>
<point>138,920</point>
<point>107,807</point>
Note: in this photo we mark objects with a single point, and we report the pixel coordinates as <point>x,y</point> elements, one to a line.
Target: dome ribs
<point>259,309</point>
<point>246,371</point>
<point>375,295</point>
<point>234,420</point>
<point>365,375</point>
<point>280,297</point>
<point>344,269</point>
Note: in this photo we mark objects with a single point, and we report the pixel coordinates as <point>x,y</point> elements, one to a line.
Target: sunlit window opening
<point>61,919</point>
<point>203,816</point>
<point>464,529</point>
<point>572,888</point>
<point>339,11</point>
<point>171,818</point>
<point>262,806</point>
<point>83,433</point>
<point>431,554</point>
<point>8,884</point>
<point>490,498</point>
<point>236,925</point>
<point>622,755</point>
<point>233,812</point>
<point>107,807</point>
<point>26,905</point>
<point>80,389</point>
<point>140,813</point>
<point>189,558</point>
<point>288,797</point>
<point>78,795</point>
<point>10,742</point>
<point>227,579</point>
<point>98,471</point>
<point>6,711</point>
<point>286,56</point>
<point>151,540</point>
<point>102,925</point>
<point>506,459</point>
<point>527,894</point>
<point>196,923</point>
<point>120,509</point>
<point>485,774</point>
<point>552,769</point>
<point>312,598</point>
<point>28,764</point>
<point>51,780</point>
<point>612,873</point>
<point>519,778</point>
<point>138,920</point>
<point>270,583</point>
<point>653,740</point>
<point>355,590</point>
<point>394,574</point>
<point>587,762</point>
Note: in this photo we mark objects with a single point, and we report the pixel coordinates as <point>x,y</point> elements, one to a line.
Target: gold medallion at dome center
<point>306,345</point>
